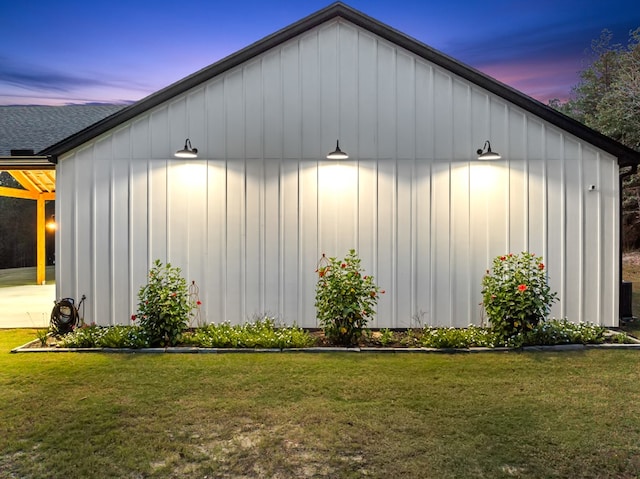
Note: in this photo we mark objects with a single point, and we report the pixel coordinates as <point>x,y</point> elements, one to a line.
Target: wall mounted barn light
<point>485,152</point>
<point>188,151</point>
<point>51,225</point>
<point>337,154</point>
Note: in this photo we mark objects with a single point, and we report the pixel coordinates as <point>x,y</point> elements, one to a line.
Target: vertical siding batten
<point>425,216</point>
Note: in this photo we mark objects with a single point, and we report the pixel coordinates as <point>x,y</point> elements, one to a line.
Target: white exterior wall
<point>250,217</point>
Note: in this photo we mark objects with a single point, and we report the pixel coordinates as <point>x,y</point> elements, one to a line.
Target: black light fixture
<point>337,154</point>
<point>485,152</point>
<point>188,151</point>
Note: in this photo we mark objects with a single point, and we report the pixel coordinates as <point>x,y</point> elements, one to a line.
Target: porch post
<point>41,256</point>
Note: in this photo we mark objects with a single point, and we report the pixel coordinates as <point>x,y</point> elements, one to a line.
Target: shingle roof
<point>626,156</point>
<point>38,127</point>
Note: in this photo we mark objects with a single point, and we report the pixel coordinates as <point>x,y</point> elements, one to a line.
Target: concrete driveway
<point>24,305</point>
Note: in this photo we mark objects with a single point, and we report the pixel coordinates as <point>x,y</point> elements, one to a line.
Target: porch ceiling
<point>36,176</point>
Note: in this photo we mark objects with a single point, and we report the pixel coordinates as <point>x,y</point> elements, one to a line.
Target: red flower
<point>343,265</point>
<point>382,291</point>
<point>198,302</point>
<point>510,255</point>
<point>541,266</point>
<point>522,288</point>
<point>502,258</point>
<point>133,317</point>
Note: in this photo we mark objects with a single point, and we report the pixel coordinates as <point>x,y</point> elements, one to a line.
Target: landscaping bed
<point>264,335</point>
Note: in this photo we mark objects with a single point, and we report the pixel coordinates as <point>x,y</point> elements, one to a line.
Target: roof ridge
<point>626,156</point>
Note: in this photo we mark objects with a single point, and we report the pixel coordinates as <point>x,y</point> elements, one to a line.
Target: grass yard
<point>302,415</point>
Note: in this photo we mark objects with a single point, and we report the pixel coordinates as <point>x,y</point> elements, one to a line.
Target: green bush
<point>83,337</point>
<point>262,333</point>
<point>345,299</point>
<point>515,294</point>
<point>470,337</point>
<point>551,332</point>
<point>164,306</point>
<point>124,337</point>
<point>621,338</point>
<point>106,337</point>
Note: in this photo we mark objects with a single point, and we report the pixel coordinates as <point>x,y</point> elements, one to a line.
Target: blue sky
<point>73,51</point>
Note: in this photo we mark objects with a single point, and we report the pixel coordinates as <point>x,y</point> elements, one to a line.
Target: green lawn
<point>304,415</point>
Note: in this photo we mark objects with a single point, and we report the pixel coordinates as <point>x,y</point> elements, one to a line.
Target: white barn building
<point>248,219</point>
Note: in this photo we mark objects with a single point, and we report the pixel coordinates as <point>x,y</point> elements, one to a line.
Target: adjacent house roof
<point>37,127</point>
<point>625,155</point>
<point>24,129</point>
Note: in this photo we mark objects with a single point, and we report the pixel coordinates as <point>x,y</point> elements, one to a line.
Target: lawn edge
<point>25,348</point>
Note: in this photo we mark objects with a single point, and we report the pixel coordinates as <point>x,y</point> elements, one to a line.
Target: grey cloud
<point>559,40</point>
<point>30,78</point>
<point>36,78</point>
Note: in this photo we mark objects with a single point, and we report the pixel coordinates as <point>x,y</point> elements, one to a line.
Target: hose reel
<point>64,316</point>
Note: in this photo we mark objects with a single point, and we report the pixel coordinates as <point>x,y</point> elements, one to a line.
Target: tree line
<point>607,99</point>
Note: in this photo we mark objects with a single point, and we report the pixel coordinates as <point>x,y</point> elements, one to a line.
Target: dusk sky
<point>78,51</point>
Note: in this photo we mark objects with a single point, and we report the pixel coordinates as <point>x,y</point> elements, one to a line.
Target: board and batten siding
<point>249,218</point>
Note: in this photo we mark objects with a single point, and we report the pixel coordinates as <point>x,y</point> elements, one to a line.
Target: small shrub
<point>164,307</point>
<point>621,338</point>
<point>411,338</point>
<point>42,335</point>
<point>515,294</point>
<point>552,332</point>
<point>262,333</point>
<point>83,337</point>
<point>386,337</point>
<point>345,299</point>
<point>470,337</point>
<point>106,337</point>
<point>123,337</point>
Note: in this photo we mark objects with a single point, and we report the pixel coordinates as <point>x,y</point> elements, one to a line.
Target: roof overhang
<point>35,173</point>
<point>625,156</point>
<point>31,162</point>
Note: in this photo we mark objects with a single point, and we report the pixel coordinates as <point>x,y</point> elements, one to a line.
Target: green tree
<point>607,99</point>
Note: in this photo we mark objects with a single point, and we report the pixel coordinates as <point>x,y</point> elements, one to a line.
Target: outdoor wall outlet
<point>592,187</point>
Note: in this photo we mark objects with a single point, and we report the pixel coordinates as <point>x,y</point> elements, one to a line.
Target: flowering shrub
<point>345,298</point>
<point>105,337</point>
<point>551,332</point>
<point>515,294</point>
<point>163,305</point>
<point>472,336</point>
<point>262,333</point>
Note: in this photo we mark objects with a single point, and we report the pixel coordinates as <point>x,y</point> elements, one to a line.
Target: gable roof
<point>626,156</point>
<point>37,127</point>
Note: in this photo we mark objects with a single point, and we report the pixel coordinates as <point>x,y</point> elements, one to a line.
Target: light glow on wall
<point>483,176</point>
<point>337,178</point>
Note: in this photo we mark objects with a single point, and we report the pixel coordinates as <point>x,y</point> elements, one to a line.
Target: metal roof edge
<point>30,162</point>
<point>625,155</point>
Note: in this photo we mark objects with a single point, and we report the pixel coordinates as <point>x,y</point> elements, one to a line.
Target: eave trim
<point>626,156</point>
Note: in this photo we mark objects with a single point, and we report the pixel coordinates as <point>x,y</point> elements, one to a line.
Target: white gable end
<point>249,218</point>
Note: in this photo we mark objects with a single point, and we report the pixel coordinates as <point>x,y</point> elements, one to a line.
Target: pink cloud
<point>540,80</point>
